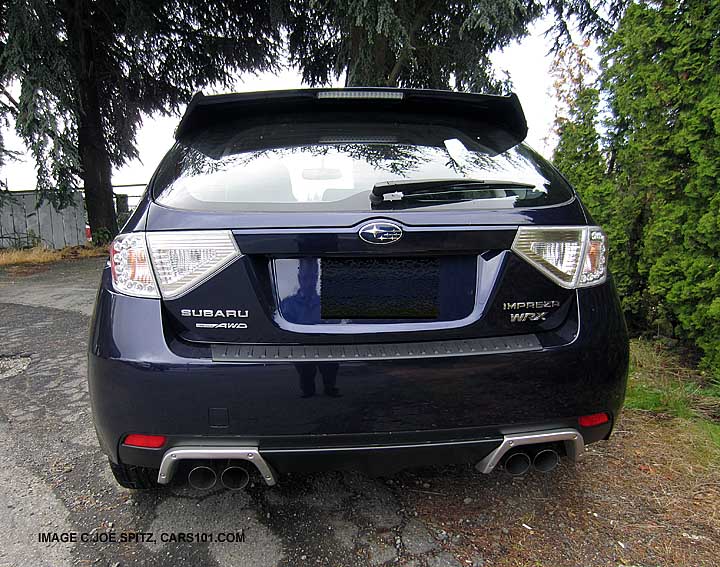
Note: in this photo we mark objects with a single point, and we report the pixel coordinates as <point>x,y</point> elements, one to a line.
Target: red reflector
<point>149,441</point>
<point>593,420</point>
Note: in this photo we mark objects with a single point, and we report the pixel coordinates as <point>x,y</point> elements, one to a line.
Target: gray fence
<point>21,224</point>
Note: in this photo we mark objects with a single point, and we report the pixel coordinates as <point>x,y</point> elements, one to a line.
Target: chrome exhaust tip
<point>210,456</point>
<point>235,477</point>
<point>546,460</point>
<point>202,478</point>
<point>571,438</point>
<point>517,463</point>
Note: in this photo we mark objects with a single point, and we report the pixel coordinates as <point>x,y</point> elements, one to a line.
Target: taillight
<point>169,263</point>
<point>130,266</point>
<point>573,256</point>
<point>183,260</point>
<point>594,268</point>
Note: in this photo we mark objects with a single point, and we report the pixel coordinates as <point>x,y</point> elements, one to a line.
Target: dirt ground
<point>634,500</point>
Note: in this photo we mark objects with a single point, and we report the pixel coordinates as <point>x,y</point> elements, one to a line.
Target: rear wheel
<point>136,478</point>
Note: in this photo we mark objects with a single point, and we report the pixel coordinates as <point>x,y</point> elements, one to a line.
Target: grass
<point>661,383</point>
<point>41,255</point>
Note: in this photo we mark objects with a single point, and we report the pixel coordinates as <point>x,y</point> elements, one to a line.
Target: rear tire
<point>135,478</point>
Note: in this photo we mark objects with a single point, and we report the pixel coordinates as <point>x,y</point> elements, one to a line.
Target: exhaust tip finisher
<point>235,477</point>
<point>202,478</point>
<point>517,464</point>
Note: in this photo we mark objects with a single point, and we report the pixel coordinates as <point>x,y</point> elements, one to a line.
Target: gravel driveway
<point>626,504</point>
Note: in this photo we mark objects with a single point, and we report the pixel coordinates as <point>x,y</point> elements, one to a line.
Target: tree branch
<point>402,58</point>
<point>15,105</point>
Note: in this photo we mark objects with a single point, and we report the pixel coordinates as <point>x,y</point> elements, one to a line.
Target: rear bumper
<point>396,452</point>
<point>462,451</point>
<point>382,414</point>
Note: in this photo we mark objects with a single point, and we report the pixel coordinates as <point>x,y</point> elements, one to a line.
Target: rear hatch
<point>364,219</point>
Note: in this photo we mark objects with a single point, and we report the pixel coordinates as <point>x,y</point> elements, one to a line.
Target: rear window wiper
<point>419,187</point>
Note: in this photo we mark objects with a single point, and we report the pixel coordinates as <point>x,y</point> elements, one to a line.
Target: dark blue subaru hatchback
<point>362,278</point>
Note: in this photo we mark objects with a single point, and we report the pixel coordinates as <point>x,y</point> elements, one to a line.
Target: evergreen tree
<point>90,69</point>
<point>663,78</point>
<point>424,43</point>
<point>577,153</point>
<point>617,209</point>
<point>659,199</point>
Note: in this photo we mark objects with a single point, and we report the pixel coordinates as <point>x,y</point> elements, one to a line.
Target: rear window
<point>333,167</point>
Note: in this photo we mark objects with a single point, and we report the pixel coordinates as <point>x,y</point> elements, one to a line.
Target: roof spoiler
<point>496,122</point>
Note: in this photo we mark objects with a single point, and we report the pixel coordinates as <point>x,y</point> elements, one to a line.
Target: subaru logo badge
<point>380,233</point>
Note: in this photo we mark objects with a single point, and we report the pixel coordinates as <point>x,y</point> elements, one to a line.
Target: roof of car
<point>498,121</point>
